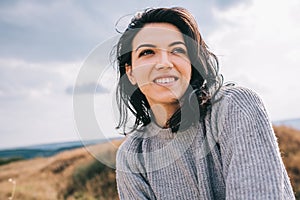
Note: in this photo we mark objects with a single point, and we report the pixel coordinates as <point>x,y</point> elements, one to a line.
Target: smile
<point>165,80</point>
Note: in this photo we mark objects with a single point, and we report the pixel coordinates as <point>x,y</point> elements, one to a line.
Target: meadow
<point>75,174</point>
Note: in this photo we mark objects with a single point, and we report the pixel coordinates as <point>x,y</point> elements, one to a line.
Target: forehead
<point>159,34</point>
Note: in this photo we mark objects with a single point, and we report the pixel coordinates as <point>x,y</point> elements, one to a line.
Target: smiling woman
<point>192,138</point>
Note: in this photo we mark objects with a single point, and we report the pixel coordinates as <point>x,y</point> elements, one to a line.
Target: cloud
<point>68,30</point>
<point>257,49</point>
<point>40,119</point>
<point>33,105</point>
<point>55,30</point>
<point>88,88</point>
<point>21,79</point>
<point>221,4</point>
<point>43,44</point>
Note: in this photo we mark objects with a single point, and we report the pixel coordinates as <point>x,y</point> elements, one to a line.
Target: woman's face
<point>160,64</point>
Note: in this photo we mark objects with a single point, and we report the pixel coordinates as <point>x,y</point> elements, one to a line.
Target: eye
<point>179,50</point>
<point>146,52</point>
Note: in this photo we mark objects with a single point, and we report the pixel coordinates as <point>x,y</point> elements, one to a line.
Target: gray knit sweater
<point>233,155</point>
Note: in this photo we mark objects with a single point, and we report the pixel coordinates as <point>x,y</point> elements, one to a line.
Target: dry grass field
<point>289,143</point>
<point>56,177</point>
<point>75,174</point>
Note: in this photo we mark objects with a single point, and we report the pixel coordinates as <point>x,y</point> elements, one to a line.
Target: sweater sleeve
<point>131,181</point>
<point>252,164</point>
<point>133,186</point>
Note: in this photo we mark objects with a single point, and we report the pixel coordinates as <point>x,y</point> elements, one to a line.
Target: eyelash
<point>146,52</point>
<point>177,50</point>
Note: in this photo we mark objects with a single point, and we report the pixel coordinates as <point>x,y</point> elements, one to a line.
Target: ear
<point>129,74</point>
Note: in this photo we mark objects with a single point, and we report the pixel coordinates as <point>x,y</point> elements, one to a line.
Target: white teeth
<point>164,80</point>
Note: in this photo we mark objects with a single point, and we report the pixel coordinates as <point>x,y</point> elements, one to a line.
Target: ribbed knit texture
<point>237,157</point>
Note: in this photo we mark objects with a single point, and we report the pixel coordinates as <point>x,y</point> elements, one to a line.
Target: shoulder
<point>129,153</point>
<point>243,106</point>
<point>131,143</point>
<point>234,104</point>
<point>237,94</point>
<point>237,97</point>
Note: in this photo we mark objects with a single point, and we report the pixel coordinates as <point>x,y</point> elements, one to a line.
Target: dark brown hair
<point>204,83</point>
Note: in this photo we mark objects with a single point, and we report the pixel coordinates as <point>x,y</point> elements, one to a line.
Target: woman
<point>192,137</point>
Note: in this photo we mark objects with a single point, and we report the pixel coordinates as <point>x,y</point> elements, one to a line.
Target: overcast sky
<point>44,45</point>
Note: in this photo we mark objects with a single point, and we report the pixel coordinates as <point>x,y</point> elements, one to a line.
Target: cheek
<point>188,73</point>
<point>185,70</point>
<point>141,75</point>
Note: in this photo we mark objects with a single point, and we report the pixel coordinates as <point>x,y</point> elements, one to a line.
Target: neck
<point>163,113</point>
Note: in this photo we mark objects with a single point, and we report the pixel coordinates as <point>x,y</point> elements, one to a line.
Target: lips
<point>165,80</point>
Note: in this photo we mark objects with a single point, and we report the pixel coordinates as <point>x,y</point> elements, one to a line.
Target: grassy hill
<point>289,143</point>
<point>75,174</point>
<point>72,174</point>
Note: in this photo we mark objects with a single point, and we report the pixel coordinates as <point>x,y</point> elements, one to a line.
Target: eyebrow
<point>144,45</point>
<point>175,43</point>
<point>153,46</point>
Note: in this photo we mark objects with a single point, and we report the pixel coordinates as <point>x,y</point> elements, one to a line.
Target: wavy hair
<point>205,78</point>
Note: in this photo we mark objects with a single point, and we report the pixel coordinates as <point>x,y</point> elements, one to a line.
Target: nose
<point>164,61</point>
